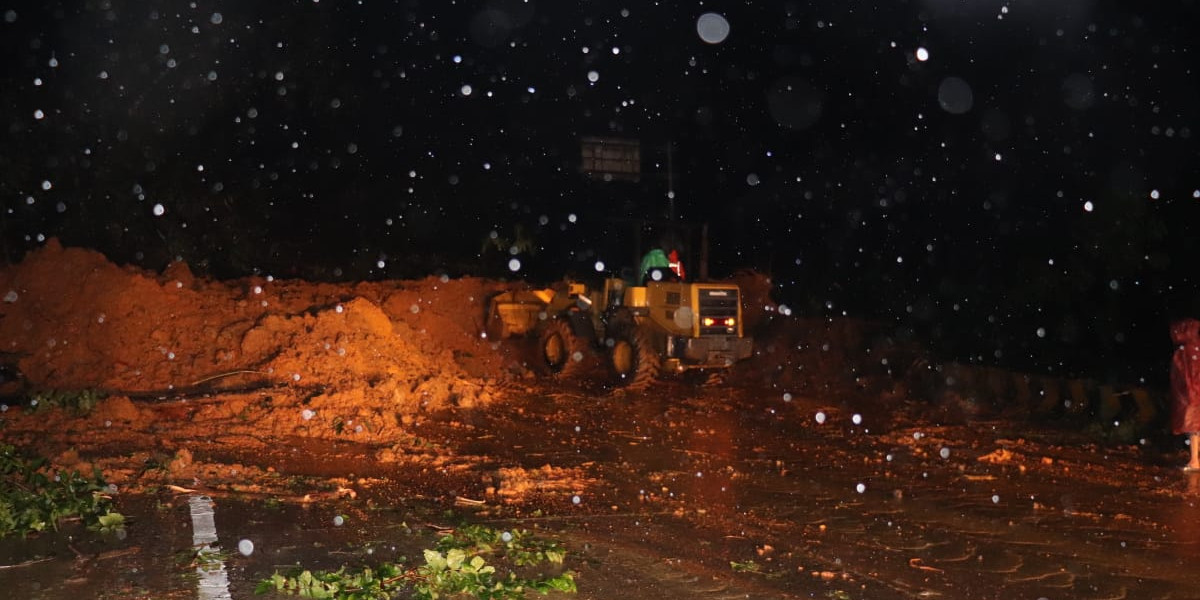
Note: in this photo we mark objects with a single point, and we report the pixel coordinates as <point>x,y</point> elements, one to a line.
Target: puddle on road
<point>76,563</point>
<point>158,558</point>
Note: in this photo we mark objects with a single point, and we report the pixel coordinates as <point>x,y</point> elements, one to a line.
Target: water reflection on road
<point>716,493</point>
<point>911,509</point>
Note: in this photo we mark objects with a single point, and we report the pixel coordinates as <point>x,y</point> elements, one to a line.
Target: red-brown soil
<point>200,379</point>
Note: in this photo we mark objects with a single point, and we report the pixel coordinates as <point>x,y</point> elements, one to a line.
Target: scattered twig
<point>26,563</point>
<point>228,374</point>
<point>916,564</point>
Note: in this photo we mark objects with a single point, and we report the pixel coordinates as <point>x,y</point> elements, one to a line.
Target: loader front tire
<point>562,350</point>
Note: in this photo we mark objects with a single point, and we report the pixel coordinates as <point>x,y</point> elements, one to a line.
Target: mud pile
<point>71,320</point>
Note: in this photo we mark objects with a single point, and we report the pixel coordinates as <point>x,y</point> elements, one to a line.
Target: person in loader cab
<point>676,264</point>
<point>654,263</point>
<point>659,266</point>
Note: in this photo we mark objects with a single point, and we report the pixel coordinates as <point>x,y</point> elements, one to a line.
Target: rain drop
<point>246,547</point>
<point>712,28</point>
<point>955,96</point>
<point>514,265</point>
<point>922,54</point>
<point>820,417</point>
<point>159,210</point>
<point>860,488</point>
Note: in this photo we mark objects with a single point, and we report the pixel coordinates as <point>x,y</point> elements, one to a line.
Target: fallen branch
<point>26,563</point>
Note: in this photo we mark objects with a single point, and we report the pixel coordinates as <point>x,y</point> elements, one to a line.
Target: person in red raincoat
<point>674,262</point>
<point>1185,386</point>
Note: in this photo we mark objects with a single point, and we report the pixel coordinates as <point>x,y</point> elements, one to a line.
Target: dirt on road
<point>814,469</point>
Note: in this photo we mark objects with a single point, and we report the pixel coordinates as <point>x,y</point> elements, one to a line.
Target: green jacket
<point>655,258</point>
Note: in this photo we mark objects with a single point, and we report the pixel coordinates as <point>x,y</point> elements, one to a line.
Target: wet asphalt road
<point>839,498</point>
<point>728,493</point>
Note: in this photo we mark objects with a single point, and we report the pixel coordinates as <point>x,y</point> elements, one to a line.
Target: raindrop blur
<point>857,419</point>
<point>787,396</point>
<point>216,18</point>
<point>713,28</point>
<point>860,488</point>
<point>159,210</point>
<point>820,417</point>
<point>599,266</point>
<point>922,54</point>
<point>506,537</point>
<point>955,96</point>
<point>339,520</point>
<point>794,103</point>
<point>576,500</point>
<point>1078,92</point>
<point>593,76</point>
<point>944,453</point>
<point>307,414</point>
<point>246,547</point>
<point>514,265</point>
<point>995,498</point>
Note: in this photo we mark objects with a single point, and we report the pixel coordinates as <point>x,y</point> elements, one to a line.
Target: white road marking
<point>214,581</point>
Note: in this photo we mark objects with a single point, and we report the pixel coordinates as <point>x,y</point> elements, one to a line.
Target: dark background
<point>1024,197</point>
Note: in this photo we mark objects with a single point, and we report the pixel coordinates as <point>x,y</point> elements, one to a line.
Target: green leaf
<point>455,558</point>
<point>434,560</point>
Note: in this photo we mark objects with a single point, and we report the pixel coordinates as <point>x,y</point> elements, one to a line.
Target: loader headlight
<point>708,321</point>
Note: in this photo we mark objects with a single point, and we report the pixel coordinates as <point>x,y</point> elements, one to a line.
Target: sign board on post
<point>611,159</point>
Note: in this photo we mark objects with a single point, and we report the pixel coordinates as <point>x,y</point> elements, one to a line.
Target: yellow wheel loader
<point>644,330</point>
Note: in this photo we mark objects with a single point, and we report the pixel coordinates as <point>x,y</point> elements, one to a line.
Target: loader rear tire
<point>634,362</point>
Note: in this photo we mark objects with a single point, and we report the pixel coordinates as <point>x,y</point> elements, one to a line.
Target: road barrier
<point>1119,410</point>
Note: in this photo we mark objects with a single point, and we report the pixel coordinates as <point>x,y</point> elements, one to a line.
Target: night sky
<point>1014,182</point>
